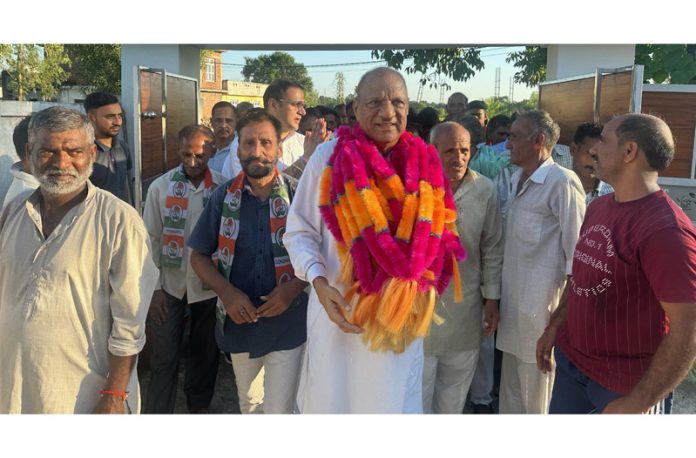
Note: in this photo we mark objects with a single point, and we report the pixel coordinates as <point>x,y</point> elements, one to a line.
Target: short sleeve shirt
<point>253,272</point>
<point>629,257</point>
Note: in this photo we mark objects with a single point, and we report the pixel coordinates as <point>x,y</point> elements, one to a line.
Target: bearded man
<point>372,229</point>
<point>75,282</point>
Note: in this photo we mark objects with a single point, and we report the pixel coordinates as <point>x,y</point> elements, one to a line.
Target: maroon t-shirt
<point>629,257</point>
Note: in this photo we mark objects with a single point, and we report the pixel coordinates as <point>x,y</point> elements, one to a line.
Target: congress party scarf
<point>175,214</point>
<point>393,219</point>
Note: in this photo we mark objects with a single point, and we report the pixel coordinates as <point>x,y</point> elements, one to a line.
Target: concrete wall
<point>11,112</point>
<point>564,61</point>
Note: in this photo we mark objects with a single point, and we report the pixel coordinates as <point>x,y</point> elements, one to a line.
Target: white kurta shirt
<point>69,301</point>
<point>231,167</point>
<point>542,228</point>
<point>181,280</point>
<point>292,148</point>
<point>480,230</point>
<point>340,374</point>
<point>21,182</point>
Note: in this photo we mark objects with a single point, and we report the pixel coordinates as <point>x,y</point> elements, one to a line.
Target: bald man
<point>341,373</point>
<point>452,348</point>
<point>626,336</point>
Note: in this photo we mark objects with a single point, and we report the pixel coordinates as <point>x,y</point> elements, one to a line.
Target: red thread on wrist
<point>122,394</point>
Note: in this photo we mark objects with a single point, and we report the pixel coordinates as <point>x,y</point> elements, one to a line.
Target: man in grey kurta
<point>452,347</point>
<point>544,214</point>
<point>75,281</point>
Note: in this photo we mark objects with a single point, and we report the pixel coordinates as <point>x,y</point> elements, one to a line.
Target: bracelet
<point>122,394</point>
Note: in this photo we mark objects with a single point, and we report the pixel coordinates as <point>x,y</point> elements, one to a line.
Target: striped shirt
<point>630,256</point>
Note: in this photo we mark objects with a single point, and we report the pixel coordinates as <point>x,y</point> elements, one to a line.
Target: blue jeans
<point>574,392</point>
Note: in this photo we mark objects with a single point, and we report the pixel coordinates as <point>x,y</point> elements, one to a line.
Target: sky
<point>479,87</point>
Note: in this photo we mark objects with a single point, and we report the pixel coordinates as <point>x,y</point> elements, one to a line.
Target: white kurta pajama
<point>69,301</point>
<point>451,349</point>
<point>340,374</point>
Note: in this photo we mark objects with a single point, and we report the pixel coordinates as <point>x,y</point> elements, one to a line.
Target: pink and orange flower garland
<point>393,220</point>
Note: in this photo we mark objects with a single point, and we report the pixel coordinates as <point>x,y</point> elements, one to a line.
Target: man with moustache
<point>262,308</point>
<point>452,348</point>
<point>544,214</point>
<point>586,136</point>
<point>75,282</point>
<point>626,336</point>
<point>174,203</point>
<point>349,368</point>
<point>113,166</point>
<point>224,121</point>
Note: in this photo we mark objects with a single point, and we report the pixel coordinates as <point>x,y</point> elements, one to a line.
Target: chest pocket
<point>527,226</point>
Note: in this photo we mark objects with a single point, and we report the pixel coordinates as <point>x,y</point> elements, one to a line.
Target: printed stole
<point>175,214</point>
<point>279,202</point>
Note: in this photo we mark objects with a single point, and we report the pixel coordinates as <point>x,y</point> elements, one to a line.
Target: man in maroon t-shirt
<point>627,336</point>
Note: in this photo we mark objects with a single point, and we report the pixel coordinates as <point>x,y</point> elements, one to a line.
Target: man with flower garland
<point>261,307</point>
<point>372,228</point>
<point>174,203</point>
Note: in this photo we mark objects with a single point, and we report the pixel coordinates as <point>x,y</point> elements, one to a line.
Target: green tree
<point>460,64</point>
<point>279,65</point>
<point>35,68</point>
<point>674,64</point>
<point>530,64</point>
<point>503,105</point>
<point>97,66</point>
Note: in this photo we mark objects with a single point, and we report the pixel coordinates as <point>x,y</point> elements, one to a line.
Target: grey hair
<point>58,119</point>
<point>440,128</point>
<point>375,72</point>
<point>543,123</point>
<point>651,134</point>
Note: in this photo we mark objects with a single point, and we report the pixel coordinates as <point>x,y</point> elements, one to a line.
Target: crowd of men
<point>578,284</point>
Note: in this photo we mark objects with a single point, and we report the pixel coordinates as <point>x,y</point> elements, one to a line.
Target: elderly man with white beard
<point>75,282</point>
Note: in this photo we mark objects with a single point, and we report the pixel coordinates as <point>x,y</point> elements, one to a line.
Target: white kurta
<point>69,301</point>
<point>21,182</point>
<point>340,374</point>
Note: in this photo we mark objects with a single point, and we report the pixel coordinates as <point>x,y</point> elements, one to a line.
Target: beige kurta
<point>69,301</point>
<point>481,232</point>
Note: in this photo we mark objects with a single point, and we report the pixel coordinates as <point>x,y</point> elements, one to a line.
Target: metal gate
<point>165,103</point>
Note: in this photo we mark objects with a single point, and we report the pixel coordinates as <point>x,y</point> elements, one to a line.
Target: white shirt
<point>69,301</point>
<point>340,374</point>
<point>231,166</point>
<point>182,280</point>
<point>21,182</point>
<point>542,228</point>
<point>222,156</point>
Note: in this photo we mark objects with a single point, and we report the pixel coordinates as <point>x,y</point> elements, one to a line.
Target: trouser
<point>482,383</point>
<point>268,384</point>
<point>201,365</point>
<point>446,380</point>
<point>574,392</point>
<point>523,387</point>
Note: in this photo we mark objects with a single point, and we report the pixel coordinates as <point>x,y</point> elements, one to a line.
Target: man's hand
<point>278,300</point>
<point>335,305</point>
<point>238,306</point>
<point>318,135</point>
<point>491,316</point>
<point>158,308</point>
<point>110,404</point>
<point>545,347</point>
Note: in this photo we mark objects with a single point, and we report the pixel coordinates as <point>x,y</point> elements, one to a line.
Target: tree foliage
<point>279,65</point>
<point>459,64</point>
<point>34,68</point>
<point>674,64</point>
<point>530,64</point>
<point>98,66</point>
<point>503,105</point>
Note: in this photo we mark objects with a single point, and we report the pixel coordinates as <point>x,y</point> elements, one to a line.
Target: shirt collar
<point>539,175</point>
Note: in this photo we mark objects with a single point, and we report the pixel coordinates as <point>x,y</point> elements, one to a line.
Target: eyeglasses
<point>299,104</point>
